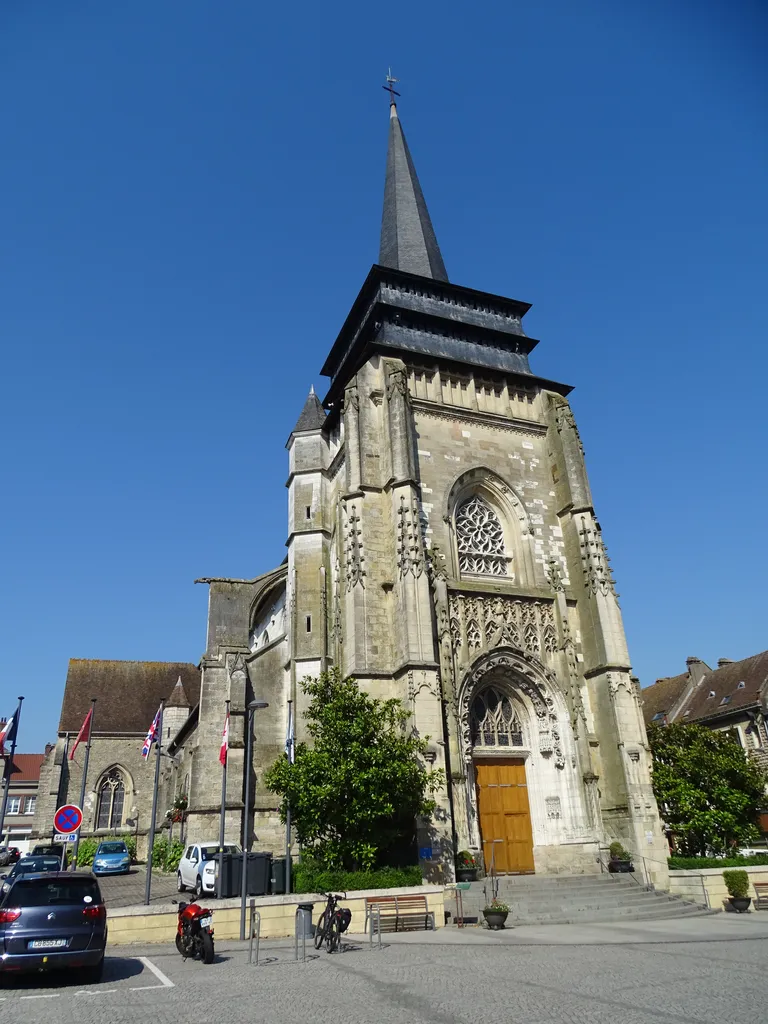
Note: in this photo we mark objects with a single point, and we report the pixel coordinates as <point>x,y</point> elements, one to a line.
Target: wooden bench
<point>761,895</point>
<point>398,913</point>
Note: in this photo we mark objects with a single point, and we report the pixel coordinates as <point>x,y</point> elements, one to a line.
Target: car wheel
<point>198,887</point>
<point>180,887</point>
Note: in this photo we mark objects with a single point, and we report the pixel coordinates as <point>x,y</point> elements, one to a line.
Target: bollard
<point>377,912</point>
<point>254,918</point>
<point>300,919</point>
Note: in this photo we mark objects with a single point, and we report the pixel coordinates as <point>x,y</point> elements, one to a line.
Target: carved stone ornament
<point>555,576</point>
<point>398,384</point>
<point>351,399</point>
<point>410,552</point>
<point>594,560</point>
<point>525,677</point>
<point>479,623</point>
<point>336,628</point>
<point>354,559</point>
<point>236,666</point>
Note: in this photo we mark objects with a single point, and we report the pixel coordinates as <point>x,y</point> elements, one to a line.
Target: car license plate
<point>205,922</point>
<point>46,944</point>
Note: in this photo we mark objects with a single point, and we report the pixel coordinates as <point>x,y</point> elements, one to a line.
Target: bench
<point>761,895</point>
<point>399,913</point>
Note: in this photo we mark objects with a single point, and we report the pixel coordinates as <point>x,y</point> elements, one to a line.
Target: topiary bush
<point>618,852</point>
<point>311,877</point>
<point>737,883</point>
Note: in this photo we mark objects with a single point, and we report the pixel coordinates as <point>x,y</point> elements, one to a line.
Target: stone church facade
<point>443,548</point>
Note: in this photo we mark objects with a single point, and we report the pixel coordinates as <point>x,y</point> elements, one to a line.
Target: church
<point>443,548</point>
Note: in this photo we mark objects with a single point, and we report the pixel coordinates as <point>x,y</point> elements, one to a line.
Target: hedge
<point>693,863</point>
<point>308,877</point>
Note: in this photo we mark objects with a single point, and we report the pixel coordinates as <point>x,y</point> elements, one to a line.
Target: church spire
<point>407,237</point>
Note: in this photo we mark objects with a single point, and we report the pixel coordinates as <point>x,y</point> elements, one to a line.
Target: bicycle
<point>332,922</point>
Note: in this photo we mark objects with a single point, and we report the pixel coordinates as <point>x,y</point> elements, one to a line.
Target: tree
<point>708,789</point>
<point>356,791</point>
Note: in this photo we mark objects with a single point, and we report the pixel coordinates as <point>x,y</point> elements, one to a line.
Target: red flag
<point>84,734</point>
<point>224,741</point>
<point>7,733</point>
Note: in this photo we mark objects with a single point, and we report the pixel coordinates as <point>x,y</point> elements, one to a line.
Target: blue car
<point>111,858</point>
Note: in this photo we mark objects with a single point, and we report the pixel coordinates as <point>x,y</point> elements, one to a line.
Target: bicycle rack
<point>377,913</point>
<point>303,917</point>
<point>255,918</point>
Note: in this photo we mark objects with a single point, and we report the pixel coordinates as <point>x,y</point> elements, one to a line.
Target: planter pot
<point>740,903</point>
<point>495,919</point>
<point>620,866</point>
<point>466,874</point>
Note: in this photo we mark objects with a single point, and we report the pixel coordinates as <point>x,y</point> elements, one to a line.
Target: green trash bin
<point>277,881</point>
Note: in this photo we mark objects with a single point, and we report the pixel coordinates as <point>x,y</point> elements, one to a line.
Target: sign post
<point>66,824</point>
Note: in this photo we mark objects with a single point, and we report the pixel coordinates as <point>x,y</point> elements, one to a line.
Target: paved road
<point>128,890</point>
<point>430,979</point>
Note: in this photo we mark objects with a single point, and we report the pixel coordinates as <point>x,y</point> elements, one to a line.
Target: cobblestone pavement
<point>128,890</point>
<point>714,981</point>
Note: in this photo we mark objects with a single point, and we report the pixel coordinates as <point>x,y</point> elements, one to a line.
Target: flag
<point>224,740</point>
<point>7,733</point>
<point>290,738</point>
<point>84,734</point>
<point>151,736</point>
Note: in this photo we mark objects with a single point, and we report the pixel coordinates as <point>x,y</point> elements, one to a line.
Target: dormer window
<point>686,714</point>
<point>711,694</point>
<point>741,685</point>
<point>659,716</point>
<point>725,700</point>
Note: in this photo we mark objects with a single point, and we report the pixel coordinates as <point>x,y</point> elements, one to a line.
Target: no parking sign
<point>68,819</point>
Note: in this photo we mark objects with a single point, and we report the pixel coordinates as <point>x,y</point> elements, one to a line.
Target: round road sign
<point>68,818</point>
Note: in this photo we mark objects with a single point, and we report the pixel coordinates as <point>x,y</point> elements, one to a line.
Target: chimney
<point>724,661</point>
<point>697,669</point>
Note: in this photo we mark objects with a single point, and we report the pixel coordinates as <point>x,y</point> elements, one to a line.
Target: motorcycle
<point>194,933</point>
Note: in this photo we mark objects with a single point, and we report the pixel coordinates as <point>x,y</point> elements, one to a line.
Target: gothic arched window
<point>111,799</point>
<point>480,538</point>
<point>493,721</point>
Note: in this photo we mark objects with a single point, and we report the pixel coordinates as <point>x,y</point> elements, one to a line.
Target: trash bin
<point>228,876</point>
<point>304,927</point>
<point>259,873</point>
<point>277,881</point>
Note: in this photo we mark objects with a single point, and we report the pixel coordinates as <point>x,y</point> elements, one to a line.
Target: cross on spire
<point>390,87</point>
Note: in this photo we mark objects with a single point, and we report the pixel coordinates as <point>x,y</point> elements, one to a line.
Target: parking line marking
<point>164,981</point>
<point>46,995</point>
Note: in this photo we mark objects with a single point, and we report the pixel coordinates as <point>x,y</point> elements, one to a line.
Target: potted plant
<point>737,884</point>
<point>621,860</point>
<point>466,867</point>
<point>495,914</point>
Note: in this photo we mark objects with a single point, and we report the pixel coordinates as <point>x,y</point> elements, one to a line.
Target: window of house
<point>29,804</point>
<point>14,804</point>
<point>111,799</point>
<point>480,539</point>
<point>725,700</point>
<point>494,721</point>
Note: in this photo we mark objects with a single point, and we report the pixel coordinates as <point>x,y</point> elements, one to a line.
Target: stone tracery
<point>480,538</point>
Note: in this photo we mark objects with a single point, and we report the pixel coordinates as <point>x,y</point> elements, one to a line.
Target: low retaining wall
<point>158,924</point>
<point>706,885</point>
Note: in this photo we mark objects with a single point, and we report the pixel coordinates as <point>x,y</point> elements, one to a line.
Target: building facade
<point>443,548</point>
<point>21,808</point>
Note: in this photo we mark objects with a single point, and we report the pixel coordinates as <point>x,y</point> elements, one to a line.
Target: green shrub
<point>618,852</point>
<point>175,851</point>
<point>159,852</point>
<point>465,861</point>
<point>130,842</point>
<point>694,863</point>
<point>311,877</point>
<point>736,882</point>
<point>86,852</point>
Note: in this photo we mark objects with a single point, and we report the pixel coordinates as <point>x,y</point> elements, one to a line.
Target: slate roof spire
<point>312,415</point>
<point>408,239</point>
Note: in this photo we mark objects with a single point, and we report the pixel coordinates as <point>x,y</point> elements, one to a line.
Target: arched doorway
<point>503,809</point>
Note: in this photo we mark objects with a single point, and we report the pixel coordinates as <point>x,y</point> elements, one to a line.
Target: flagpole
<point>8,768</point>
<point>223,804</point>
<point>288,804</point>
<point>151,843</point>
<point>64,768</point>
<point>84,779</point>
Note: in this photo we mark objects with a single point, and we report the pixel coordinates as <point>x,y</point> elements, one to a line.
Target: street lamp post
<point>253,707</point>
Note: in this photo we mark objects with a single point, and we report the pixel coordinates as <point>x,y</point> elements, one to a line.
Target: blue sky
<point>192,196</point>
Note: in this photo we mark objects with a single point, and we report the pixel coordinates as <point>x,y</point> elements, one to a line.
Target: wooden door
<point>505,817</point>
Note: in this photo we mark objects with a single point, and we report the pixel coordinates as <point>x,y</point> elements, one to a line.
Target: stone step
<point>552,905</point>
<point>656,913</point>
